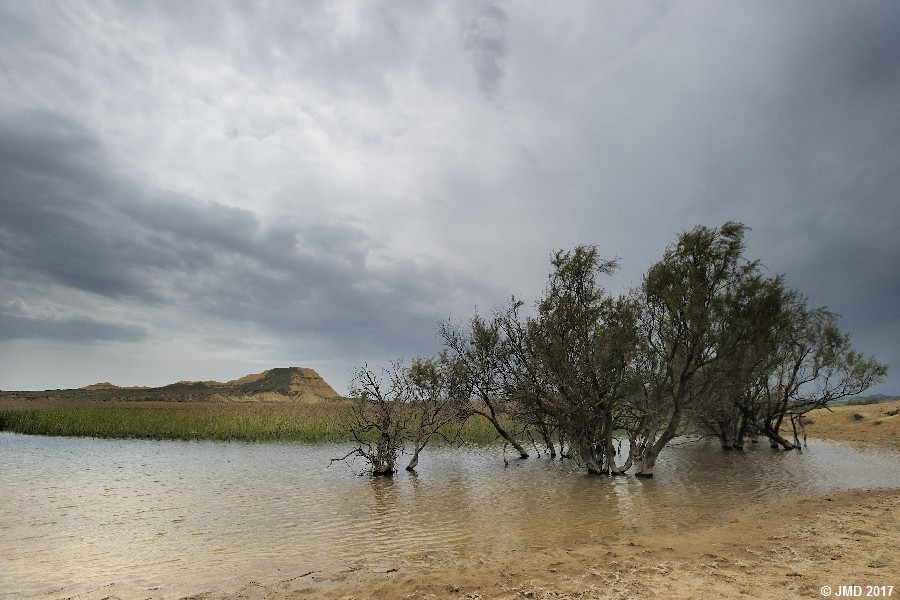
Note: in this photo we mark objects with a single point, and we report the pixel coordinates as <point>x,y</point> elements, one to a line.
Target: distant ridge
<point>103,385</point>
<point>283,384</point>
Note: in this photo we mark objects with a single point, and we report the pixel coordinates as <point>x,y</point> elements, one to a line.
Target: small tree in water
<point>435,392</point>
<point>481,358</point>
<point>407,406</point>
<point>379,418</point>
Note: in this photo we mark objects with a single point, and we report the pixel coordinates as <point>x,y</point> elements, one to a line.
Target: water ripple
<point>82,512</point>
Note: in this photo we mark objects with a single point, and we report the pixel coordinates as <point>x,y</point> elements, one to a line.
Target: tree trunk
<point>548,441</point>
<point>742,432</point>
<point>418,446</point>
<point>414,461</point>
<point>649,449</point>
<point>620,470</point>
<point>776,440</point>
<point>385,459</point>
<point>594,466</point>
<point>505,435</point>
<point>723,439</point>
<point>645,463</point>
<point>383,467</point>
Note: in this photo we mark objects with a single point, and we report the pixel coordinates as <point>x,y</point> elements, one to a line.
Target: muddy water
<point>178,518</point>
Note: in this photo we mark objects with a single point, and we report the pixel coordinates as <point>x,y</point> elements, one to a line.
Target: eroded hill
<point>285,384</point>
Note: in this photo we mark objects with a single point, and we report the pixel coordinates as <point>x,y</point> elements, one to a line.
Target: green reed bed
<point>244,421</point>
<point>254,422</point>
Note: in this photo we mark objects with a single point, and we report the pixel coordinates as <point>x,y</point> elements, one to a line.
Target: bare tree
<point>379,418</point>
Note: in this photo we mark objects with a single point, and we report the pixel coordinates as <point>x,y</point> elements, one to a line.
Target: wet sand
<point>783,549</point>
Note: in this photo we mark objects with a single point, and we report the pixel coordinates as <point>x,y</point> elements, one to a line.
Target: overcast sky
<point>201,190</point>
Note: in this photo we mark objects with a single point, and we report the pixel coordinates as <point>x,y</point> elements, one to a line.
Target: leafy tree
<point>436,397</point>
<point>480,354</point>
<point>817,365</point>
<point>794,359</point>
<point>583,342</point>
<point>690,317</point>
<point>761,315</point>
<point>525,381</point>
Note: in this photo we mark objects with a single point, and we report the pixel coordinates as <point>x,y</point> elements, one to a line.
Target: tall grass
<point>251,421</point>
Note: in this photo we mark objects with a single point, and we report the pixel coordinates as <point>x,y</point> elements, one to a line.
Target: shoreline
<point>787,548</point>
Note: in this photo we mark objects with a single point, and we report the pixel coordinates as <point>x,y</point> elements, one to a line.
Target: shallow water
<point>185,517</point>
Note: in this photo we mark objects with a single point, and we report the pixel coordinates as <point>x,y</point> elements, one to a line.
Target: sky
<point>202,190</point>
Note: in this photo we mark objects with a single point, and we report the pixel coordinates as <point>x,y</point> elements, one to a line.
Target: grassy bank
<point>243,421</point>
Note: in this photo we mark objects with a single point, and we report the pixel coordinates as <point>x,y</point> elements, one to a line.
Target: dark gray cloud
<point>208,185</point>
<point>69,222</point>
<point>484,37</point>
<point>73,329</point>
<point>54,216</point>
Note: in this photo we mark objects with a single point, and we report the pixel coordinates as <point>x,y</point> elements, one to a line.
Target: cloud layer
<point>196,191</point>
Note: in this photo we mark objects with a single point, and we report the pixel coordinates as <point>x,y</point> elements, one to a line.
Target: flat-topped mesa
<point>287,381</point>
<point>103,385</point>
<point>310,381</point>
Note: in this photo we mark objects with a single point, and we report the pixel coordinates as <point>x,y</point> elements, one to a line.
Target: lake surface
<point>185,517</point>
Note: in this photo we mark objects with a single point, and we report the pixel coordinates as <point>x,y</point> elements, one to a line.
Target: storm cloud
<point>201,190</point>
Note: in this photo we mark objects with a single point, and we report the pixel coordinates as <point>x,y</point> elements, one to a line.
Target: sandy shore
<point>783,549</point>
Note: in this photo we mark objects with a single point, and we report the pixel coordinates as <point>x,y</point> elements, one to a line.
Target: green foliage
<point>580,346</point>
<point>249,422</point>
<point>312,423</point>
<point>858,417</point>
<point>709,341</point>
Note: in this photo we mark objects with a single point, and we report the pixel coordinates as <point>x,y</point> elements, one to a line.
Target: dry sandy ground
<point>870,423</point>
